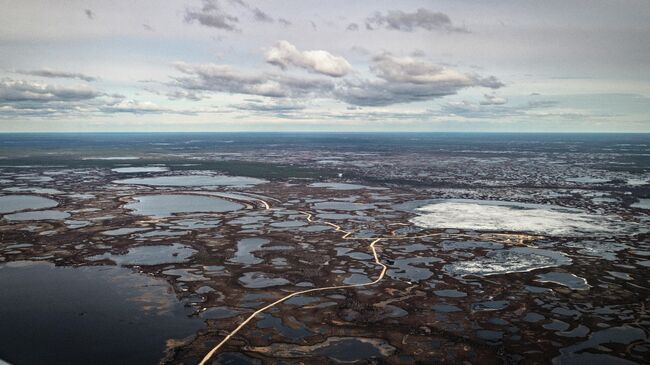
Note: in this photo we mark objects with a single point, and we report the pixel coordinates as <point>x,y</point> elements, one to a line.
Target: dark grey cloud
<point>212,15</point>
<point>147,27</point>
<point>284,22</point>
<point>493,99</point>
<point>182,94</point>
<point>14,91</point>
<point>383,93</point>
<point>418,53</point>
<point>407,22</point>
<point>542,103</point>
<point>57,74</point>
<point>241,3</point>
<point>224,78</point>
<point>352,27</point>
<point>360,50</point>
<point>261,16</point>
<point>258,14</point>
<point>490,81</point>
<point>89,14</point>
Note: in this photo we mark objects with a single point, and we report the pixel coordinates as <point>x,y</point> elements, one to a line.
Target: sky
<point>304,65</point>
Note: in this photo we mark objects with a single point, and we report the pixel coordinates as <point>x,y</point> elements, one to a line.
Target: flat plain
<point>434,248</point>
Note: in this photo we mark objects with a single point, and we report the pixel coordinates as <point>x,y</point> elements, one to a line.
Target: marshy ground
<point>142,249</point>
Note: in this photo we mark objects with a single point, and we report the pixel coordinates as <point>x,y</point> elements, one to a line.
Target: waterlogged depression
<point>90,315</point>
<point>193,180</point>
<point>15,203</point>
<point>166,205</point>
<point>157,253</point>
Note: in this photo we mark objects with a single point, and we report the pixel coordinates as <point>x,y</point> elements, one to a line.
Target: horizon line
<point>320,132</point>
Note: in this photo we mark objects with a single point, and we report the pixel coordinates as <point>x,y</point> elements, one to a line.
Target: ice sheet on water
<point>137,169</point>
<point>517,259</point>
<point>513,217</point>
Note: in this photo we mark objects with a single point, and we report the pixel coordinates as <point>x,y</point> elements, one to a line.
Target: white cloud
<point>285,54</point>
<point>406,69</point>
<point>398,80</point>
<point>405,80</point>
<point>134,106</point>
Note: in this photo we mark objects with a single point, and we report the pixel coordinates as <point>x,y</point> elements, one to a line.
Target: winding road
<point>347,235</point>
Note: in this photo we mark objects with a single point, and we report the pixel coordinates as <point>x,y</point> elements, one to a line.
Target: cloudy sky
<point>281,65</point>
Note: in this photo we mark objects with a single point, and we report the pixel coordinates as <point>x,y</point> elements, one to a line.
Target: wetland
<point>354,248</point>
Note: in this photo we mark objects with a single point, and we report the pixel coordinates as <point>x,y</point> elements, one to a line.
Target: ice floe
<point>517,259</point>
<point>512,217</point>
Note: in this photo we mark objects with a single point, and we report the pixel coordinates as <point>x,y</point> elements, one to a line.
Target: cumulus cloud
<point>383,93</point>
<point>212,15</point>
<point>407,69</point>
<point>58,74</point>
<point>490,81</point>
<point>397,80</point>
<point>225,78</point>
<point>20,98</point>
<point>408,22</point>
<point>285,54</point>
<point>35,99</point>
<point>12,91</point>
<point>135,107</point>
<point>404,80</point>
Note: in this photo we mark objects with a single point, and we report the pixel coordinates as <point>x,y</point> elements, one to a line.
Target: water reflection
<point>89,315</point>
